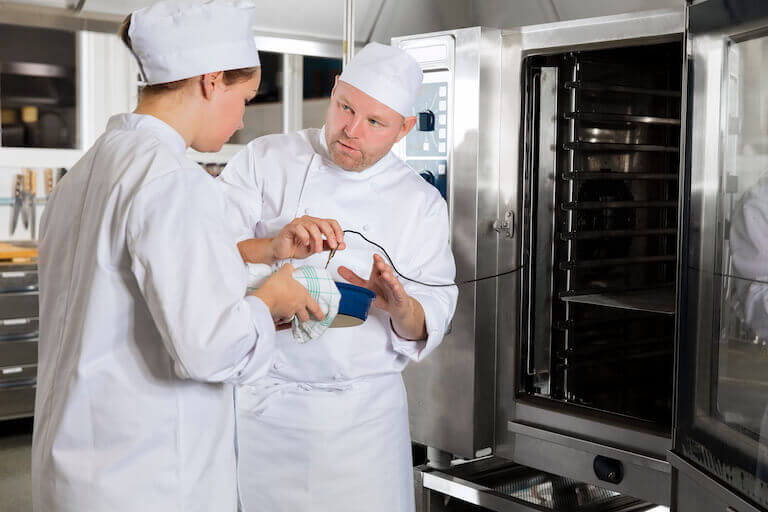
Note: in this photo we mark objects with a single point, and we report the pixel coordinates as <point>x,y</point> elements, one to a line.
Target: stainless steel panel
<point>451,393</point>
<point>17,402</point>
<point>14,375</point>
<point>18,305</point>
<point>602,32</point>
<point>639,481</point>
<point>19,328</point>
<point>586,428</point>
<point>15,353</point>
<point>469,492</point>
<point>18,278</point>
<point>509,294</point>
<point>590,446</point>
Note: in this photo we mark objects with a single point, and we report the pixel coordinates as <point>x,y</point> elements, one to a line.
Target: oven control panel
<point>427,148</point>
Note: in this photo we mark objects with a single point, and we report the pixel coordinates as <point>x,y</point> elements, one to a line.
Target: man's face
<point>360,130</point>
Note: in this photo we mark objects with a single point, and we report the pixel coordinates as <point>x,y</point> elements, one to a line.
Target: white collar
<point>160,129</point>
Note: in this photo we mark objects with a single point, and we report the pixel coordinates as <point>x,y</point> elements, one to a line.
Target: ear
<point>210,82</point>
<point>408,124</point>
<point>335,84</point>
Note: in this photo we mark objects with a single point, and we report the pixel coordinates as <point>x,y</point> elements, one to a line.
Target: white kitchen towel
<point>320,285</point>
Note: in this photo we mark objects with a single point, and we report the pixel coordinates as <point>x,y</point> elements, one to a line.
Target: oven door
<point>720,446</point>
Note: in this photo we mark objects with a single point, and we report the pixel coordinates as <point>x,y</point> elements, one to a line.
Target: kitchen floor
<point>15,450</point>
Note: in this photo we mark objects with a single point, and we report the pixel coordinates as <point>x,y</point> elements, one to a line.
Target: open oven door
<point>720,445</point>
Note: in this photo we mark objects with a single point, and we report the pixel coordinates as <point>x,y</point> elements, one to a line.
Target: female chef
<point>144,323</point>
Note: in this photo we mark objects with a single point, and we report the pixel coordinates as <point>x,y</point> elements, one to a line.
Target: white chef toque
<point>387,74</point>
<point>177,39</point>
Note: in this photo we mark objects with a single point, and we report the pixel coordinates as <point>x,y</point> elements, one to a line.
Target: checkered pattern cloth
<point>320,285</point>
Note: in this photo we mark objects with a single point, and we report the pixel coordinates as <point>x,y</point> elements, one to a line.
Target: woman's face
<point>224,109</point>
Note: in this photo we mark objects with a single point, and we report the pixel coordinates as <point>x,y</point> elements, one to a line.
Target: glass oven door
<point>721,431</point>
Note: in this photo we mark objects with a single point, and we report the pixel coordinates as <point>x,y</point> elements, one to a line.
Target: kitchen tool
<point>48,183</point>
<point>30,190</point>
<point>330,255</point>
<point>18,202</point>
<point>24,193</point>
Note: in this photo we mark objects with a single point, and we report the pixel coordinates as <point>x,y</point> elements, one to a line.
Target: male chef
<point>327,429</point>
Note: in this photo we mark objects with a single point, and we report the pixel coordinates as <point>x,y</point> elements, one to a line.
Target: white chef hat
<point>386,74</point>
<point>177,39</point>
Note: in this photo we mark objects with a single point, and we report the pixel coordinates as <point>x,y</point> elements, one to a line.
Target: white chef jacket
<point>280,177</point>
<point>333,411</point>
<point>143,328</point>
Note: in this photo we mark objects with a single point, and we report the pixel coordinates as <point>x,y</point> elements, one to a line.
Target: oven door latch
<point>506,226</point>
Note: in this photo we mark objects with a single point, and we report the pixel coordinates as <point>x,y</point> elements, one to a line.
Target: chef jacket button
<point>366,228</point>
<point>276,366</point>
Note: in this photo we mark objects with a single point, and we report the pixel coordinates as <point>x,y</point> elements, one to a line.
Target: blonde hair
<point>231,76</point>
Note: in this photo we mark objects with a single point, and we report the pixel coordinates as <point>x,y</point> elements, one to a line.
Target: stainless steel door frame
<point>589,437</point>
<point>451,393</point>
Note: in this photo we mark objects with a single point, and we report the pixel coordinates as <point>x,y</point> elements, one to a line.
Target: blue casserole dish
<point>354,305</point>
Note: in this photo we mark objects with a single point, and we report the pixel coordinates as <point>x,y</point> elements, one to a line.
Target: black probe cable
<point>516,269</point>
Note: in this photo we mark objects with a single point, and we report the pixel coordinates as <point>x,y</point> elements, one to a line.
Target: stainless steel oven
<point>631,349</point>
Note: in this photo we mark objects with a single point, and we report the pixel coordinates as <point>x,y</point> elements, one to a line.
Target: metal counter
<point>18,339</point>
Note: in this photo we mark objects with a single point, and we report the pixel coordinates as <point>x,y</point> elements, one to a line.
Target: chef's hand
<point>303,237</point>
<point>285,297</point>
<point>405,312</point>
<point>300,239</point>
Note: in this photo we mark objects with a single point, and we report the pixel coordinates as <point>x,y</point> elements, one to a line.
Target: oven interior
<point>601,143</point>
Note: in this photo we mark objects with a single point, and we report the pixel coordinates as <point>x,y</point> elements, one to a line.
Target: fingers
<point>300,232</point>
<point>394,284</point>
<point>303,315</point>
<point>314,308</point>
<point>331,236</point>
<point>329,228</point>
<point>351,276</point>
<point>316,237</point>
<point>337,229</point>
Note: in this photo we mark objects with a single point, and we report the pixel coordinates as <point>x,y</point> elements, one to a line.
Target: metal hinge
<point>505,227</point>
